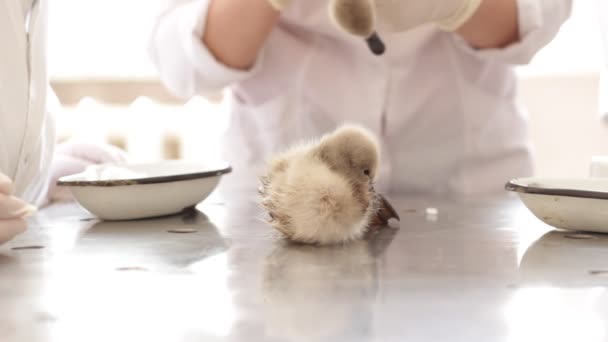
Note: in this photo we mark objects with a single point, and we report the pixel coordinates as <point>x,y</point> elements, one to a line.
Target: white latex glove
<point>364,17</point>
<point>74,157</point>
<point>402,15</point>
<point>279,4</point>
<point>12,211</point>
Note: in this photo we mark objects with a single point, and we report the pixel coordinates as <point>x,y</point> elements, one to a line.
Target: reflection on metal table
<point>479,270</point>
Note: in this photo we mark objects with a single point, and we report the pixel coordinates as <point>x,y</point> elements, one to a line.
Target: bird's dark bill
<point>385,213</point>
<point>375,44</point>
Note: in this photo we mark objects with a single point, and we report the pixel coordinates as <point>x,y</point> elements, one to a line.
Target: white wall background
<point>107,40</point>
<point>561,91</point>
<point>100,38</point>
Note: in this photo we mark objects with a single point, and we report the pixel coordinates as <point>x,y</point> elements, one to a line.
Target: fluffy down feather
<point>321,192</point>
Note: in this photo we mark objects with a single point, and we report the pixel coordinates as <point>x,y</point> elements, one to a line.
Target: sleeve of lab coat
<point>539,22</point>
<point>185,64</point>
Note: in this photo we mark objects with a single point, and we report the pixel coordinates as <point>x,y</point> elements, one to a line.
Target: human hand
<point>402,15</point>
<point>12,211</point>
<point>74,157</point>
<point>279,5</point>
<point>364,17</point>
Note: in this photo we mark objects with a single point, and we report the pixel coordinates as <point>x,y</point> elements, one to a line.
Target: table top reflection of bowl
<point>566,259</point>
<point>135,191</point>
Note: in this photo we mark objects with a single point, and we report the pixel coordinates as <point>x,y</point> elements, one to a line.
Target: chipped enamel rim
<point>65,181</point>
<point>516,185</point>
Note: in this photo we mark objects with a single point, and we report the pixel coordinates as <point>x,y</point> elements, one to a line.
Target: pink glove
<point>74,157</point>
<point>12,211</point>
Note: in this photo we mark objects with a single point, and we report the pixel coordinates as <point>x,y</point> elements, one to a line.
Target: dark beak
<point>386,209</point>
<point>376,45</point>
<point>385,213</point>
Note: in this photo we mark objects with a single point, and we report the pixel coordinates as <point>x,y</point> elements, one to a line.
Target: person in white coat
<point>603,88</point>
<point>26,130</point>
<point>442,99</point>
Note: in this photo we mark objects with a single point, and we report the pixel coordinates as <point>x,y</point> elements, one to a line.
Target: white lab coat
<point>26,132</point>
<point>447,115</point>
<point>603,88</point>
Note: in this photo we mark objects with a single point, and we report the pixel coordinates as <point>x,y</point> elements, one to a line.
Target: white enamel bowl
<point>134,191</point>
<point>572,204</point>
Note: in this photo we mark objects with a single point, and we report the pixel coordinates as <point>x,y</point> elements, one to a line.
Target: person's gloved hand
<point>74,157</point>
<point>398,15</point>
<point>402,15</point>
<point>12,211</point>
<point>279,4</point>
<point>364,17</point>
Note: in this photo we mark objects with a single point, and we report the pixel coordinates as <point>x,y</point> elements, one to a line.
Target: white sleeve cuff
<point>192,28</point>
<point>185,64</point>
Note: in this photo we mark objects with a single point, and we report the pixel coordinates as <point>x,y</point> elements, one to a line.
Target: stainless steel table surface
<point>479,270</point>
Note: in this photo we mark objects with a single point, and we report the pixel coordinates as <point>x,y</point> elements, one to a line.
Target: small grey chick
<point>358,18</point>
<point>321,192</point>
